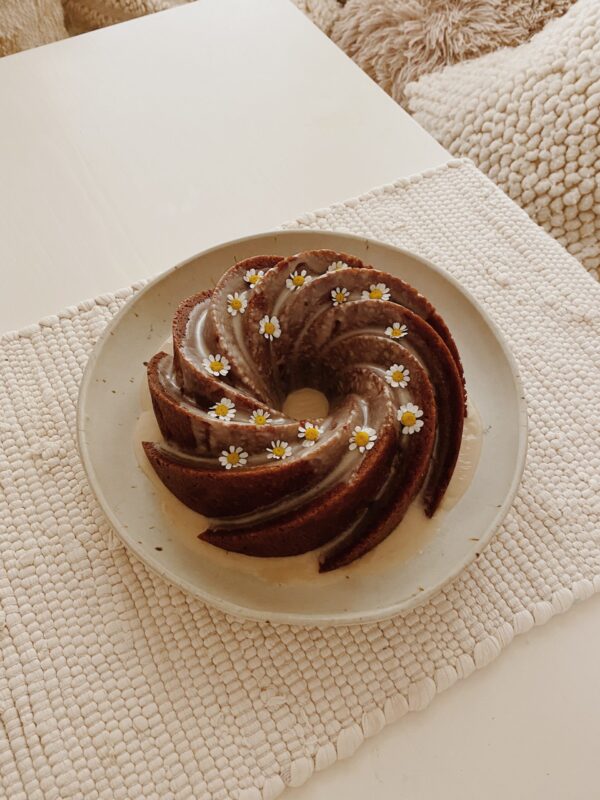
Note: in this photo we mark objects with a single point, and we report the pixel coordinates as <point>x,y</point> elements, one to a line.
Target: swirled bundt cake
<point>275,486</point>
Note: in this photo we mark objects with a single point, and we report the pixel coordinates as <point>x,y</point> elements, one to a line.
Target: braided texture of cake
<point>272,485</point>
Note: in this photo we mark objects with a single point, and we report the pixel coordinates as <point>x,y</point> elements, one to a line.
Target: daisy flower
<point>233,458</point>
<point>224,409</point>
<point>260,417</point>
<point>269,327</point>
<point>339,296</point>
<point>310,433</point>
<point>362,438</point>
<point>254,277</point>
<point>409,417</point>
<point>297,280</point>
<point>336,266</point>
<point>377,291</point>
<point>397,376</point>
<point>279,450</point>
<point>236,303</point>
<point>396,331</point>
<point>216,365</point>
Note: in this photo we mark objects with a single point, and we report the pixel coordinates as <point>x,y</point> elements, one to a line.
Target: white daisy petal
<point>376,291</point>
<point>236,303</point>
<point>310,433</point>
<point>336,266</point>
<point>297,280</point>
<point>409,418</point>
<point>216,365</point>
<point>362,438</point>
<point>396,331</point>
<point>279,450</point>
<point>233,457</point>
<point>269,327</point>
<point>253,277</point>
<point>223,410</point>
<point>260,417</point>
<point>397,376</point>
<point>339,295</point>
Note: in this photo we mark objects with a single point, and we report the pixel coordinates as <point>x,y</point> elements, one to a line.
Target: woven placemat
<point>115,685</point>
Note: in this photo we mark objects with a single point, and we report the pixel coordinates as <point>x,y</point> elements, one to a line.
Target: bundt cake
<point>272,485</point>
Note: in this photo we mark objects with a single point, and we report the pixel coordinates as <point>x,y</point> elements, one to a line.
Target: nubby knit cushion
<point>530,119</point>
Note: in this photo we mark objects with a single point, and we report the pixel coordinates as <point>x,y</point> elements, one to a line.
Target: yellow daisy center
<point>233,458</point>
<point>375,294</point>
<point>361,438</point>
<point>260,419</point>
<point>279,451</point>
<point>236,304</point>
<point>298,280</point>
<point>408,419</point>
<point>397,375</point>
<point>216,366</point>
<point>221,410</point>
<point>340,297</point>
<point>312,434</point>
<point>253,278</point>
<point>269,328</point>
<point>396,333</point>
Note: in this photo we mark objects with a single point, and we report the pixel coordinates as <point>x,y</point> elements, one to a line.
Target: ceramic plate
<point>414,562</point>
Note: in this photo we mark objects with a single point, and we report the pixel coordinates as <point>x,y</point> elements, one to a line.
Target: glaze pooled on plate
<point>275,486</point>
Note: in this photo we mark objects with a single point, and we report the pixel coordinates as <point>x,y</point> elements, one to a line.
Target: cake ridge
<point>272,485</point>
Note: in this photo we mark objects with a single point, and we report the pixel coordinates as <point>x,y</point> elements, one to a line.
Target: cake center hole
<point>306,404</point>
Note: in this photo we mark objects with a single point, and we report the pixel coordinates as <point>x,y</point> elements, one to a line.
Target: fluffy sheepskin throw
<point>29,23</point>
<point>397,41</point>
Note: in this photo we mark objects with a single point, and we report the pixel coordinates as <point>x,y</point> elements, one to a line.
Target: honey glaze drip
<point>408,540</point>
<point>169,383</point>
<point>194,346</point>
<point>295,500</point>
<point>395,424</point>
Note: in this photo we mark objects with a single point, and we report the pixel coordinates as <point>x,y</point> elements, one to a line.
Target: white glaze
<point>468,458</point>
<point>194,348</point>
<point>302,404</point>
<point>406,541</point>
<point>263,515</point>
<point>193,345</point>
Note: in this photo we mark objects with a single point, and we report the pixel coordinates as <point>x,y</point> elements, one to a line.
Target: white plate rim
<point>274,616</point>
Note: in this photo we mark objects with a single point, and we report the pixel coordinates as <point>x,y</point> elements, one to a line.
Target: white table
<point>127,150</point>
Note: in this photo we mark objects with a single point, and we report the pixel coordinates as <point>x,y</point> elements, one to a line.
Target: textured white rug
<point>114,685</point>
<point>530,119</point>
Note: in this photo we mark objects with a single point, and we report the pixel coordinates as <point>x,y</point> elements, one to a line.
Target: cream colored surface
<point>79,210</point>
<point>121,164</point>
